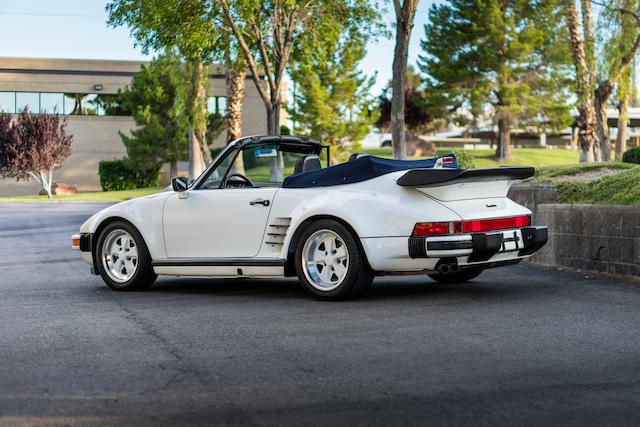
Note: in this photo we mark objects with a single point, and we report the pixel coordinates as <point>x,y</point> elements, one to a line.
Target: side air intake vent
<point>276,232</point>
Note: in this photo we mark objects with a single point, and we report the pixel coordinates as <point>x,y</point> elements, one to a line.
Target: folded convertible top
<point>361,169</point>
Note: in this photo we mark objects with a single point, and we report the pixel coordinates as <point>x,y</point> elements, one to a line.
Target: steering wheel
<point>238,175</point>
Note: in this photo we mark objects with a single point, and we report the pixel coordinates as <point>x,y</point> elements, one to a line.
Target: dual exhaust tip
<point>447,267</point>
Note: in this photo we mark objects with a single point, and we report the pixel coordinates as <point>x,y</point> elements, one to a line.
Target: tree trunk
<point>621,140</point>
<point>586,121</point>
<point>199,154</point>
<point>173,169</point>
<point>404,25</point>
<point>196,162</point>
<point>602,94</point>
<point>235,96</point>
<point>503,150</point>
<point>273,128</point>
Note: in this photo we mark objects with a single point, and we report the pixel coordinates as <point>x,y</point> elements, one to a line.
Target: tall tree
<point>33,146</point>
<point>622,50</point>
<point>156,99</point>
<point>505,54</point>
<point>268,30</point>
<point>405,14</point>
<point>189,26</point>
<point>625,92</point>
<point>333,102</point>
<point>583,55</point>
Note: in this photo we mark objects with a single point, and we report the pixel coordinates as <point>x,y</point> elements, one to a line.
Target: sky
<point>78,29</point>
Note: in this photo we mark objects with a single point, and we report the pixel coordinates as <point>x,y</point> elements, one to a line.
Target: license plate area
<point>511,241</point>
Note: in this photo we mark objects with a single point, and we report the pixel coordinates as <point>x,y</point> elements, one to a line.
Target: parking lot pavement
<point>518,346</point>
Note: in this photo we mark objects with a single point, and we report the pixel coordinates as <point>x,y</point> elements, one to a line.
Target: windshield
<point>257,166</point>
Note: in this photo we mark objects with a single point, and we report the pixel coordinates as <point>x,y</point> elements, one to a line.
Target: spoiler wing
<point>424,177</point>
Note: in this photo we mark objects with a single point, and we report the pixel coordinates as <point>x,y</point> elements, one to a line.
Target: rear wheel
<point>330,263</point>
<point>458,276</point>
<point>123,259</point>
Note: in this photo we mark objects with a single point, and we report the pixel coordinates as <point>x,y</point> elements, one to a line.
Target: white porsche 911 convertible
<point>266,207</point>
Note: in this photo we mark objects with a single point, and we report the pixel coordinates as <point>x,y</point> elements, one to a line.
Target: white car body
<point>219,233</point>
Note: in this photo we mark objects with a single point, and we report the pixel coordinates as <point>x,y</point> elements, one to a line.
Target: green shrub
<point>116,175</point>
<point>465,160</point>
<point>632,155</point>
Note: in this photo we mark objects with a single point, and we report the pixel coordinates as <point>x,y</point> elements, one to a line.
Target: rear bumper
<point>480,247</point>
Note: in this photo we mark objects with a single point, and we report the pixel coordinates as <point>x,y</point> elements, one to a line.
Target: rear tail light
<point>432,228</point>
<point>470,226</point>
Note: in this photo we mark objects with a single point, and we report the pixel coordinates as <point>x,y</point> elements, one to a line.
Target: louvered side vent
<point>276,232</point>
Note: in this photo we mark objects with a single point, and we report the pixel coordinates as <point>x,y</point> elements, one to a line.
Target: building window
<point>28,100</point>
<point>74,104</point>
<point>217,104</point>
<point>51,103</point>
<point>8,102</point>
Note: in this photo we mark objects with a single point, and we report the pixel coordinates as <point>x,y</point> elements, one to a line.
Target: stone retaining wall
<point>604,238</point>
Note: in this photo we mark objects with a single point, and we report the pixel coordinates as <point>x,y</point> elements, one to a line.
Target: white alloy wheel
<point>119,256</point>
<point>325,260</point>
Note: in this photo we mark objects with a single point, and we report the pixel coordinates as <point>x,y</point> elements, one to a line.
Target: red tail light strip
<point>470,226</point>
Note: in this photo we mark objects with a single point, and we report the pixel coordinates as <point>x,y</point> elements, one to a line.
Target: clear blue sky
<point>77,29</point>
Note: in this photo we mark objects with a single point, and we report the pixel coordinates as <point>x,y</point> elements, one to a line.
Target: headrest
<point>307,163</point>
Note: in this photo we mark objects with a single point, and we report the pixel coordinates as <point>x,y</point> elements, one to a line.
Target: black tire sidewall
<point>358,275</point>
<point>144,276</point>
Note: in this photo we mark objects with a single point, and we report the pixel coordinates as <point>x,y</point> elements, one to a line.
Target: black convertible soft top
<point>361,169</point>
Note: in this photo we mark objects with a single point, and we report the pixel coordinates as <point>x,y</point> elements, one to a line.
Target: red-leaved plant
<point>33,146</point>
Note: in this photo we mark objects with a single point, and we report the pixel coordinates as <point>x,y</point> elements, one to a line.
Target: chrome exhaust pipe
<point>444,268</point>
<point>447,267</point>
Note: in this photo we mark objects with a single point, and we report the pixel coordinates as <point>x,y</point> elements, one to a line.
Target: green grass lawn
<point>100,196</point>
<point>520,156</point>
<point>622,188</point>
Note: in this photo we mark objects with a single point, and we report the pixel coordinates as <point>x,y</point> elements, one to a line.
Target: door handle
<point>259,202</point>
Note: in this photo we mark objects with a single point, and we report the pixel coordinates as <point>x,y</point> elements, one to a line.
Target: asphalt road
<point>519,346</point>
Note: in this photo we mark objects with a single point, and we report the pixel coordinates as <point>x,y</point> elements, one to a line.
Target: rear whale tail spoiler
<point>424,177</point>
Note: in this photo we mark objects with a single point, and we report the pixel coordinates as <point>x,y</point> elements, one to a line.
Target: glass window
<point>211,104</point>
<point>217,104</point>
<point>92,105</point>
<point>218,173</point>
<point>74,104</point>
<point>28,100</point>
<point>51,103</point>
<point>266,166</point>
<point>8,102</point>
<point>222,105</point>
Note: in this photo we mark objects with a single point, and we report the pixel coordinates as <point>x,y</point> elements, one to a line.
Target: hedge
<point>116,175</point>
<point>632,155</point>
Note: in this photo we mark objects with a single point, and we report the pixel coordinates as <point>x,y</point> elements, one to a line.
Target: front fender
<point>145,213</point>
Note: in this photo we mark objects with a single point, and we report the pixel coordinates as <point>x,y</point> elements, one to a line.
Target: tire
<point>341,274</point>
<point>457,277</point>
<point>123,238</point>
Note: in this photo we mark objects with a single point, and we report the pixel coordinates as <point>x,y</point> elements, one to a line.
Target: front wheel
<point>123,259</point>
<point>457,277</point>
<point>330,263</point>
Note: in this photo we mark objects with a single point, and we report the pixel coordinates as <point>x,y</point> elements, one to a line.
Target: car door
<point>220,223</point>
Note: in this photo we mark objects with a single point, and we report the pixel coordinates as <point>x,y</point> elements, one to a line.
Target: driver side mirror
<point>179,184</point>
